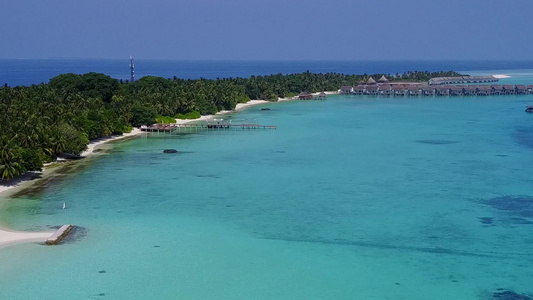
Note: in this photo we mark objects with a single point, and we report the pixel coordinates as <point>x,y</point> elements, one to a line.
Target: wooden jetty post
<point>59,235</point>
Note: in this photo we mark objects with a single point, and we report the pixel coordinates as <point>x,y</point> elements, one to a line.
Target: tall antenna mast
<point>132,69</point>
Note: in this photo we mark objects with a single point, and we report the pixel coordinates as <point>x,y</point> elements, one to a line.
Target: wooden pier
<point>59,235</point>
<point>217,124</point>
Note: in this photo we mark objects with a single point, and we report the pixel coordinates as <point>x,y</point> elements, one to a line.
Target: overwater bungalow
<point>321,96</point>
<point>371,90</point>
<point>461,79</point>
<point>521,89</point>
<point>384,89</point>
<point>442,90</point>
<point>484,90</point>
<point>305,96</point>
<point>413,90</point>
<point>509,89</point>
<point>456,90</point>
<point>398,90</point>
<point>345,89</point>
<point>427,91</point>
<point>470,90</point>
<point>359,90</point>
<point>497,89</point>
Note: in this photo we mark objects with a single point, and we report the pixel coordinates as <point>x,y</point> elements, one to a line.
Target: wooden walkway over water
<point>176,128</point>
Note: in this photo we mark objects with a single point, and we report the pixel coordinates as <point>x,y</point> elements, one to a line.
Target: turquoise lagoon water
<point>350,198</point>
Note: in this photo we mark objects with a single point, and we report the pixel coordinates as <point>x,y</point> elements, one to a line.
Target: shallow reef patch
<point>437,142</point>
<point>519,206</point>
<point>502,294</point>
<point>524,136</point>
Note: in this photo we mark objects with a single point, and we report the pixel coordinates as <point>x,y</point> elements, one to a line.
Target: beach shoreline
<point>22,181</point>
<point>10,237</point>
<point>242,106</point>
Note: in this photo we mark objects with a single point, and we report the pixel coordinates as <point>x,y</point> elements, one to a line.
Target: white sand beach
<point>8,237</point>
<point>94,144</point>
<point>241,106</point>
<point>501,76</point>
<point>21,180</point>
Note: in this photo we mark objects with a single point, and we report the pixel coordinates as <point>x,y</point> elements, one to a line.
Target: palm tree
<point>8,170</point>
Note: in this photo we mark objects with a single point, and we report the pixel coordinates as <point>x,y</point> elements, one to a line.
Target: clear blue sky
<point>275,29</point>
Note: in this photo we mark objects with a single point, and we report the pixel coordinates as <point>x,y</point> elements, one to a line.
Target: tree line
<point>38,123</point>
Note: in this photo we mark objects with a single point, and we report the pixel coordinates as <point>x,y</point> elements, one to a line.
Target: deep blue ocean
<point>35,71</point>
<point>353,197</point>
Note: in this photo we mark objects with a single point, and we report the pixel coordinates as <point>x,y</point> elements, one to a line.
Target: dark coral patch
<point>486,220</point>
<point>521,206</point>
<point>510,295</point>
<point>524,137</point>
<point>437,142</point>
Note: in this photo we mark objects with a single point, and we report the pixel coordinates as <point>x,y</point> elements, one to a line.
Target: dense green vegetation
<point>164,119</point>
<point>41,122</point>
<point>188,116</point>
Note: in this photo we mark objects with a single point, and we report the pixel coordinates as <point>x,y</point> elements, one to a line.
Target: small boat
<point>529,109</point>
<point>265,108</point>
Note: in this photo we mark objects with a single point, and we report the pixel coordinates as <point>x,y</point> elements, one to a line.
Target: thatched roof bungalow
<point>370,81</point>
<point>321,96</point>
<point>305,96</point>
<point>427,91</point>
<point>385,89</point>
<point>484,90</point>
<point>461,79</point>
<point>442,90</point>
<point>346,89</point>
<point>398,90</point>
<point>383,79</point>
<point>371,90</point>
<point>509,89</point>
<point>359,89</point>
<point>470,90</point>
<point>456,90</point>
<point>521,89</point>
<point>413,90</point>
<point>497,89</point>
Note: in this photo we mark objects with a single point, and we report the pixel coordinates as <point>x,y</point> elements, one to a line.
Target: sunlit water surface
<point>349,198</point>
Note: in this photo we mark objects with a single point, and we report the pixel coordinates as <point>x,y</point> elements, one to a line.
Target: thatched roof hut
<point>370,81</point>
<point>383,79</point>
<point>305,96</point>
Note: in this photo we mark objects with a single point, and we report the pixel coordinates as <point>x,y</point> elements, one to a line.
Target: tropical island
<point>41,122</point>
